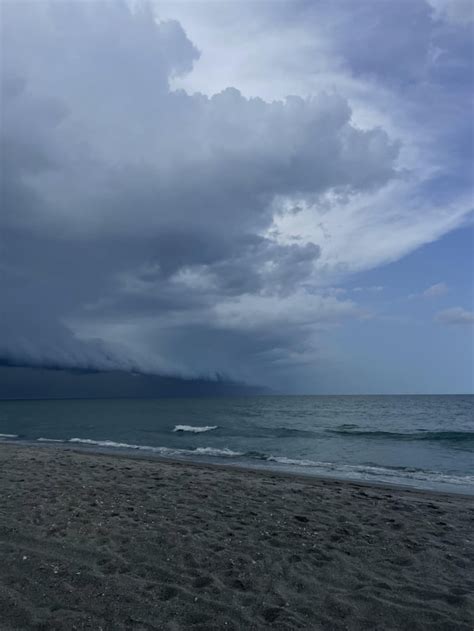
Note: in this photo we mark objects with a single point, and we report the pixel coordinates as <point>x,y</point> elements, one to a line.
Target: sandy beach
<point>106,542</point>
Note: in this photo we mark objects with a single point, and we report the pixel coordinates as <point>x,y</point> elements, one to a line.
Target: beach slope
<point>111,543</point>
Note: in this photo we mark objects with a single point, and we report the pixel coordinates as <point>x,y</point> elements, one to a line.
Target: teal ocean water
<point>419,441</point>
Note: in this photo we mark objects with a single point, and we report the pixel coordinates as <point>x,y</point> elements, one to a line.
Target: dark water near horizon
<point>420,441</point>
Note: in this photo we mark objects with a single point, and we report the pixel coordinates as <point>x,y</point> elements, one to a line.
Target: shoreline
<point>120,541</point>
<point>269,468</point>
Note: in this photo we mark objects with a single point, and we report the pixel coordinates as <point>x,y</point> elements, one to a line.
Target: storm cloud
<point>150,228</point>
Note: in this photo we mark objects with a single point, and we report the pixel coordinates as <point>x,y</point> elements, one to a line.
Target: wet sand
<point>109,542</point>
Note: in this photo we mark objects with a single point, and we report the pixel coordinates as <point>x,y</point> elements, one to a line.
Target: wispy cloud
<point>436,290</point>
<point>457,316</point>
<point>371,289</point>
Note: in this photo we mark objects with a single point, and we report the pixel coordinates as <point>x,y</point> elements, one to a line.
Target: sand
<point>105,542</point>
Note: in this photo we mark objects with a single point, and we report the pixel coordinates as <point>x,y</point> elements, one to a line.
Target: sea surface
<point>419,441</point>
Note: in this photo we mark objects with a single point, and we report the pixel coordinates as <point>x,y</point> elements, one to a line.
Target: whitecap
<point>210,451</point>
<point>194,429</point>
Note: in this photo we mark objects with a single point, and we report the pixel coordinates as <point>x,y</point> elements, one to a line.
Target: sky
<point>279,192</point>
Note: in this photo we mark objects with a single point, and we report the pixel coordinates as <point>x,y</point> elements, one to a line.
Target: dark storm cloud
<point>134,218</point>
<point>428,56</point>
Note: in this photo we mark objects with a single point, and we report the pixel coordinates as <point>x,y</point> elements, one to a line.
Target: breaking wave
<point>394,474</point>
<point>163,451</point>
<point>194,429</point>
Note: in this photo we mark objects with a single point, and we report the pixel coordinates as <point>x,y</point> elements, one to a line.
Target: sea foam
<point>297,463</point>
<point>8,436</point>
<point>164,451</point>
<point>367,472</point>
<point>194,429</point>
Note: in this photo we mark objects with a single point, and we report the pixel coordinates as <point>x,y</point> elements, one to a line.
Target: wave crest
<point>194,429</point>
<point>163,451</point>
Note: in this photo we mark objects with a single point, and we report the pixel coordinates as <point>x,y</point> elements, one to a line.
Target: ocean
<point>418,441</point>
